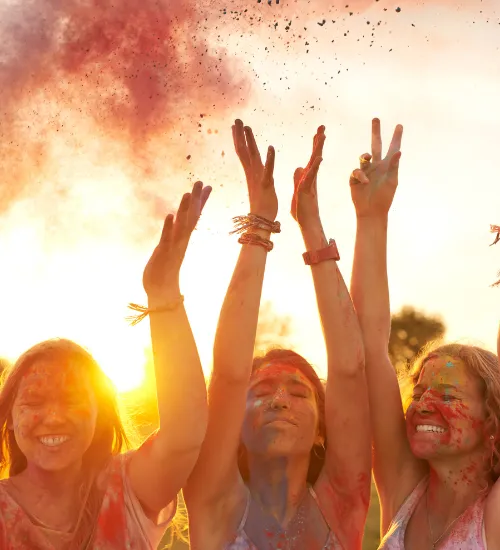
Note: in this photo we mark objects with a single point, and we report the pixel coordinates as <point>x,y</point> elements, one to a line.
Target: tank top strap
<point>243,521</point>
<point>411,501</point>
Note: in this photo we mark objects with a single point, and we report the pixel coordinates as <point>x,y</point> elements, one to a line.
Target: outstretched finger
<point>204,197</point>
<point>364,161</point>
<point>195,204</point>
<point>181,219</point>
<point>252,145</point>
<point>392,171</point>
<point>240,145</point>
<point>308,183</point>
<point>167,231</point>
<point>376,141</point>
<point>297,176</point>
<point>268,179</point>
<point>396,141</point>
<point>318,143</point>
<point>358,177</point>
<point>196,192</point>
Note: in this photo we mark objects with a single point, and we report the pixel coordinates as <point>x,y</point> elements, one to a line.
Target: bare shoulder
<point>491,515</point>
<point>214,523</point>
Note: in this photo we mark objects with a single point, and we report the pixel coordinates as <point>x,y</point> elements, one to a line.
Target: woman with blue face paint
<point>436,458</point>
<point>286,461</point>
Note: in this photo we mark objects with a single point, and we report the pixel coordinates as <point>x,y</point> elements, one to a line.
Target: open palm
<point>374,184</point>
<point>162,271</point>
<point>259,176</point>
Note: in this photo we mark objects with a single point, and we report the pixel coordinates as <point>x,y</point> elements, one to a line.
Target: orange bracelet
<point>330,252</point>
<point>253,238</point>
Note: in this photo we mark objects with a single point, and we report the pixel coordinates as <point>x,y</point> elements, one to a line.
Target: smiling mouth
<point>53,440</point>
<point>428,428</point>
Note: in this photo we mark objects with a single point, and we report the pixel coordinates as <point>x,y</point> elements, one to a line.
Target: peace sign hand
<point>374,184</point>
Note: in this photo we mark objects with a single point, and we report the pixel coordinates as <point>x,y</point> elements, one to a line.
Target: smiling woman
<point>436,464</point>
<point>69,485</point>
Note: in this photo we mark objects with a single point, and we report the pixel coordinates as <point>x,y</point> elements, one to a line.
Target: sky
<point>109,112</point>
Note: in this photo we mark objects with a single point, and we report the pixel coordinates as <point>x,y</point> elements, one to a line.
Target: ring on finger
<point>364,160</point>
<point>354,178</point>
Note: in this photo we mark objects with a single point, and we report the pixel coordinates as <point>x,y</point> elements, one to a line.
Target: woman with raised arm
<point>285,464</point>
<point>68,486</point>
<point>436,456</point>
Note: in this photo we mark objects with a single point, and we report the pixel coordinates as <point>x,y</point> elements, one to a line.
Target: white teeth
<point>428,428</point>
<point>53,441</point>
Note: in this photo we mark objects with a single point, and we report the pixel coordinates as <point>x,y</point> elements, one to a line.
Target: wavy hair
<point>109,438</point>
<point>484,366</point>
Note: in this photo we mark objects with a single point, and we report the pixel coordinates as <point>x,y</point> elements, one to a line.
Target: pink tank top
<point>242,542</point>
<point>466,534</point>
<point>121,524</point>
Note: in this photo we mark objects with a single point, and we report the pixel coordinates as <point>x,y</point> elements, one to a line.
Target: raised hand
<point>305,209</point>
<point>161,274</point>
<point>374,184</point>
<point>260,180</point>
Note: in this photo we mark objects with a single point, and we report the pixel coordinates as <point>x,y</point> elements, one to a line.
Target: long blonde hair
<point>109,439</point>
<point>482,364</point>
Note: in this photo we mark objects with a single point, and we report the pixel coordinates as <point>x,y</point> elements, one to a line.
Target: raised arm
<point>160,467</point>
<point>348,454</point>
<point>216,478</point>
<point>372,188</point>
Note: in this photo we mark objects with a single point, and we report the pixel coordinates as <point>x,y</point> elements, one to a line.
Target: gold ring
<point>363,160</point>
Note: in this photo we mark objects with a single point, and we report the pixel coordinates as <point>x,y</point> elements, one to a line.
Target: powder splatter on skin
<point>446,397</point>
<point>54,401</point>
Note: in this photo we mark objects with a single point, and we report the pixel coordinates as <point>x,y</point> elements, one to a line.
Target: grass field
<point>370,541</point>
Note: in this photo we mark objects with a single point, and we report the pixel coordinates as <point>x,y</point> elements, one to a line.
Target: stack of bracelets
<point>246,226</point>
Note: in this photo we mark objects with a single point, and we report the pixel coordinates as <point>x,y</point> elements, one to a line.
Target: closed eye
<point>447,397</point>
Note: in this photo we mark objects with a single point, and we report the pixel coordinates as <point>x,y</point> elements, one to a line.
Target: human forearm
<point>369,284</point>
<point>237,327</point>
<point>180,382</point>
<point>341,331</point>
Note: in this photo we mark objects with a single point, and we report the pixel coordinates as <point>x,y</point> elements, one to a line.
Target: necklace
<point>449,526</point>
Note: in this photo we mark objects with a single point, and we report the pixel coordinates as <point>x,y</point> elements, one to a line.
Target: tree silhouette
<point>410,331</point>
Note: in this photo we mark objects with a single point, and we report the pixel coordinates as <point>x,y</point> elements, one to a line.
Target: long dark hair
<point>109,437</point>
<point>317,455</point>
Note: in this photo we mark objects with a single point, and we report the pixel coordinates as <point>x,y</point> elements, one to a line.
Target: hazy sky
<point>75,239</point>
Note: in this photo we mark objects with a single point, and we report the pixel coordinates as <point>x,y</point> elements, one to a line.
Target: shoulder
<point>213,524</point>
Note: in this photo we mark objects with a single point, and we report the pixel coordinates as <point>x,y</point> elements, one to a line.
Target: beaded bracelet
<point>252,221</point>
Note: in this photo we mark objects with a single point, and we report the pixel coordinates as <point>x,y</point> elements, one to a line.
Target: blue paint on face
<point>450,364</point>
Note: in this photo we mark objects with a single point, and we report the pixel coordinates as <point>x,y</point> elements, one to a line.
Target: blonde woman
<point>68,486</point>
<point>436,460</point>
